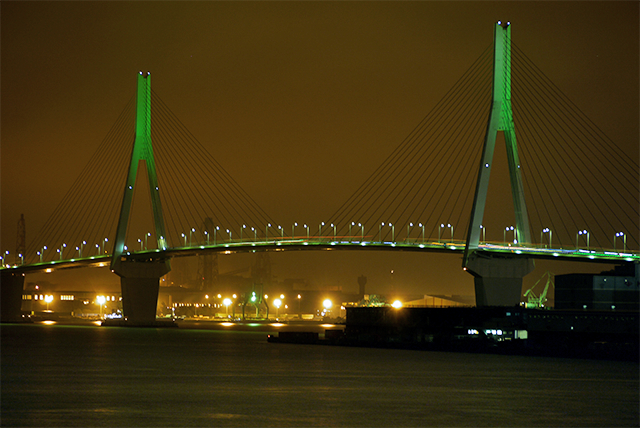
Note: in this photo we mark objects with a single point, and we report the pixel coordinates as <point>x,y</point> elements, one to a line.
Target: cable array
<point>198,194</point>
<point>576,179</point>
<point>86,217</point>
<point>579,185</point>
<point>427,179</point>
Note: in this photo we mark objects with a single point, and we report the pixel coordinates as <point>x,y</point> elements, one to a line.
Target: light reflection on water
<point>60,375</point>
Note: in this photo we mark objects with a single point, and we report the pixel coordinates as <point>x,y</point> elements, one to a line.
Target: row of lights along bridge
<point>353,227</point>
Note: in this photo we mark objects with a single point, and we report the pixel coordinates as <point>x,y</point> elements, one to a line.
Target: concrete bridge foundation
<point>498,279</point>
<point>11,288</point>
<point>140,283</point>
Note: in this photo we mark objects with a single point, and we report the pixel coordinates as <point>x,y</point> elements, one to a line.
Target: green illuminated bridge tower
<point>139,279</point>
<point>498,279</point>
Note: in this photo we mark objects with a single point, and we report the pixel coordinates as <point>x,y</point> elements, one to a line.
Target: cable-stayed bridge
<point>574,192</point>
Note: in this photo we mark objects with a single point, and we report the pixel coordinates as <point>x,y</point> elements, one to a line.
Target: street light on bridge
<point>244,226</point>
<point>320,230</point>
<point>266,232</point>
<point>293,229</point>
<point>408,231</point>
<point>582,232</point>
<point>334,231</point>
<point>442,227</point>
<point>185,239</point>
<point>422,226</point>
<point>546,230</point>
<point>484,236</point>
<point>624,238</point>
<point>393,232</point>
<point>193,229</point>
<point>506,229</point>
<point>307,227</point>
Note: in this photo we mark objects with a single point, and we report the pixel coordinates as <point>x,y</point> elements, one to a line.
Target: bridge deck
<point>327,244</point>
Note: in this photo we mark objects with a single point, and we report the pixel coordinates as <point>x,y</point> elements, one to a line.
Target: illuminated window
<point>26,297</point>
<point>67,297</point>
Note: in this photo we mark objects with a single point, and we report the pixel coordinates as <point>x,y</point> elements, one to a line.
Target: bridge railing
<point>361,242</point>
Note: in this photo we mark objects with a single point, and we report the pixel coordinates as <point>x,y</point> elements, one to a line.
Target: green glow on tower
<point>500,119</point>
<point>142,152</point>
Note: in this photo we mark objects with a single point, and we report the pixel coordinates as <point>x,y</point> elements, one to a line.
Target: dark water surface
<point>56,375</point>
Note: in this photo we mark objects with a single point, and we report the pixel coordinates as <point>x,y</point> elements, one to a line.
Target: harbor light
<point>226,302</point>
<point>48,298</point>
<point>100,300</point>
<point>277,303</point>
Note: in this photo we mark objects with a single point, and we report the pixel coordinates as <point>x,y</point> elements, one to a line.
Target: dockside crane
<point>533,301</point>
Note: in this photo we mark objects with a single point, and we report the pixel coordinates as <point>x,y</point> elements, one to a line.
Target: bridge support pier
<point>140,284</point>
<point>498,279</point>
<point>11,287</point>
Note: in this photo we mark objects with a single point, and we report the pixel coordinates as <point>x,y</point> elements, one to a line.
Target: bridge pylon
<point>139,279</point>
<point>12,286</point>
<point>498,280</point>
